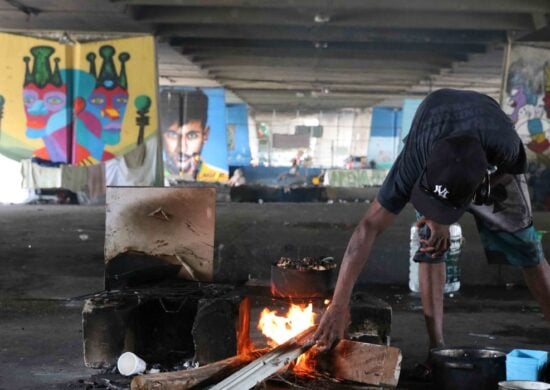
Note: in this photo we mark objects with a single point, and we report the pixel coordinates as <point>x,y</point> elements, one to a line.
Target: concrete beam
<point>280,54</point>
<point>373,19</point>
<point>511,6</point>
<point>265,71</point>
<point>188,82</point>
<point>324,47</point>
<point>243,87</point>
<point>316,86</point>
<point>319,63</point>
<point>105,22</point>
<point>329,33</point>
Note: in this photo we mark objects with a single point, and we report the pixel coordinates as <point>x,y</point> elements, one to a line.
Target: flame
<point>279,329</point>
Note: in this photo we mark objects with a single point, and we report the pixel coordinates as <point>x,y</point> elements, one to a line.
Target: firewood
<point>370,364</point>
<point>275,360</point>
<point>186,379</point>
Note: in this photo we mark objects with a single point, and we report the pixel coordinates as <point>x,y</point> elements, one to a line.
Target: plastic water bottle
<point>452,280</point>
<point>414,284</point>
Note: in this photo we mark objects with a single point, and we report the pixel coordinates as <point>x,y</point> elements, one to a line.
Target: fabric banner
<point>527,101</point>
<point>355,177</point>
<point>80,104</point>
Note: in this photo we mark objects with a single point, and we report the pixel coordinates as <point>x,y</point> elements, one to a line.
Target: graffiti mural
<point>194,134</point>
<point>79,104</point>
<point>527,101</point>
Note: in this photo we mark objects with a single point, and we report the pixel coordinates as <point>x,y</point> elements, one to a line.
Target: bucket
<point>468,368</point>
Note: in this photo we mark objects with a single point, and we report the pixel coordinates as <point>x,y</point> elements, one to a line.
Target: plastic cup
<point>130,364</point>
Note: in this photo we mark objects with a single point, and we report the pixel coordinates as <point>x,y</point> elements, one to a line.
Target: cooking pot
<point>523,385</point>
<point>295,283</point>
<point>468,368</point>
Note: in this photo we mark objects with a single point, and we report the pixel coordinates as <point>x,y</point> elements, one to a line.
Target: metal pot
<point>523,385</point>
<point>293,283</point>
<point>468,368</point>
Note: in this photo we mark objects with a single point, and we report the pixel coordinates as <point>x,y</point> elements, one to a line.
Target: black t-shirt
<point>448,113</point>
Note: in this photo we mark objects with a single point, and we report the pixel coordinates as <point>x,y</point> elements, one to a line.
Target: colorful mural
<point>194,134</point>
<point>79,104</point>
<point>527,101</point>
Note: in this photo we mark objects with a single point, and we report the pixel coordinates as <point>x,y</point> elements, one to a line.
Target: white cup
<point>130,364</point>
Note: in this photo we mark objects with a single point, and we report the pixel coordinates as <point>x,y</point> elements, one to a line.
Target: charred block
<point>370,318</point>
<point>216,328</point>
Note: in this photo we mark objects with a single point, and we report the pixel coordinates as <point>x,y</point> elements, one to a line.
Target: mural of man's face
<point>183,146</point>
<point>40,104</point>
<point>109,106</point>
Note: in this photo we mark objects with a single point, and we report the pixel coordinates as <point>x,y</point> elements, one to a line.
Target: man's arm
<point>336,318</point>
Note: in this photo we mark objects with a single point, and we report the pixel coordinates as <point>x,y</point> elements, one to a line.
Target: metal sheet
<point>175,224</point>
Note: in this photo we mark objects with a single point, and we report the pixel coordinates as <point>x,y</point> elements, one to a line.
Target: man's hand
<point>439,241</point>
<point>333,326</point>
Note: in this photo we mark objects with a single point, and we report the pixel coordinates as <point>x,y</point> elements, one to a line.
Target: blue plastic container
<point>525,364</point>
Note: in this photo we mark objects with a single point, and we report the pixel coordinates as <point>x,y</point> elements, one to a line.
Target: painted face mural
<point>183,143</point>
<point>45,102</point>
<point>101,113</point>
<point>183,147</point>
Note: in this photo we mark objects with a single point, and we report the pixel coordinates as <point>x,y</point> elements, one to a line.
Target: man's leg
<point>432,284</point>
<point>538,280</point>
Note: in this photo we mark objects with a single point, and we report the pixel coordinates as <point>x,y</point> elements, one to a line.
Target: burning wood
<point>294,350</point>
<point>267,365</point>
<point>187,379</point>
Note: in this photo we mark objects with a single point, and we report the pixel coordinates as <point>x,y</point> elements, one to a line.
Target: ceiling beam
<point>323,47</point>
<point>313,86</point>
<point>327,33</point>
<point>105,22</point>
<point>279,54</point>
<point>338,64</point>
<point>403,19</point>
<point>511,6</point>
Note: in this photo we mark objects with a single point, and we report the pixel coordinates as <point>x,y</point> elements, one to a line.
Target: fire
<point>279,329</point>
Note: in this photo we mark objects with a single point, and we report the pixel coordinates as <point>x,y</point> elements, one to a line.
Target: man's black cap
<point>454,171</point>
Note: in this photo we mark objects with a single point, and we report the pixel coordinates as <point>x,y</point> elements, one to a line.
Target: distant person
<point>184,133</point>
<point>237,179</point>
<point>292,173</point>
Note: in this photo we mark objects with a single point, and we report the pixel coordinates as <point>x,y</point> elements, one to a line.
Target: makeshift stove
<point>161,303</point>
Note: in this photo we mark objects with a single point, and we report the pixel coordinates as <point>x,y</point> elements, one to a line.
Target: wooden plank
<point>392,367</point>
<point>371,364</point>
<point>267,365</point>
<point>187,379</point>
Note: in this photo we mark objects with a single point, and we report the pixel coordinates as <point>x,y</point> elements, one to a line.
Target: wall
<point>527,101</point>
<point>238,143</point>
<point>384,136</point>
<point>249,237</point>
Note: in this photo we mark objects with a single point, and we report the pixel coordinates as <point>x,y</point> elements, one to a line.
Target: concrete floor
<point>52,254</point>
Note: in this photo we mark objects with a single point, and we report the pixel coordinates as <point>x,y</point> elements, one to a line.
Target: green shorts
<point>506,228</point>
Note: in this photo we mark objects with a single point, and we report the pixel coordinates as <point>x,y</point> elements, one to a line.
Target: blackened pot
<point>293,283</point>
<point>468,368</point>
